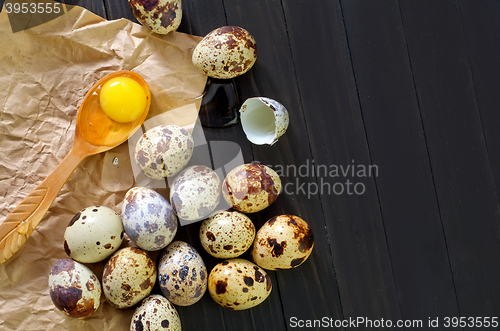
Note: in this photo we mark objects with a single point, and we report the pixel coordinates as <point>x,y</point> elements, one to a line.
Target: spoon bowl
<point>95,133</point>
<point>96,127</point>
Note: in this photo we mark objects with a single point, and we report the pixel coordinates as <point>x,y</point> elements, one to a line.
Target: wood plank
<point>459,159</point>
<point>398,147</point>
<point>309,291</point>
<point>199,18</point>
<point>118,9</point>
<point>95,6</point>
<point>329,103</point>
<point>481,25</point>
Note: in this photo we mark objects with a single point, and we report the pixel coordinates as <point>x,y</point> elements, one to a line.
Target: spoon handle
<point>22,221</point>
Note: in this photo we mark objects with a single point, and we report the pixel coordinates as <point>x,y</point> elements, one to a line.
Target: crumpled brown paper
<point>44,74</point>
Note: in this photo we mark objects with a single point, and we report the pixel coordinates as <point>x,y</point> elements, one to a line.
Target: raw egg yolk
<point>123,99</point>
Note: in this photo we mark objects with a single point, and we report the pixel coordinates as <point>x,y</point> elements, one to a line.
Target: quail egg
<point>164,151</point>
<point>182,274</point>
<point>238,284</point>
<point>251,187</point>
<point>74,288</point>
<point>129,276</point>
<point>155,313</point>
<point>162,16</point>
<point>93,234</point>
<point>195,193</point>
<point>226,52</point>
<point>227,234</point>
<point>283,242</point>
<point>148,218</point>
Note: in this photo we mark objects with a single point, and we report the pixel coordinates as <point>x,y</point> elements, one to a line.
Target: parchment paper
<point>44,73</point>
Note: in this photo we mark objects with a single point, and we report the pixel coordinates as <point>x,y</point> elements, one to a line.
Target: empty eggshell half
<point>264,120</point>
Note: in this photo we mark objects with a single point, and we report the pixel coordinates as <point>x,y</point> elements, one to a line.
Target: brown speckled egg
<point>226,52</point>
<point>238,284</point>
<point>227,234</point>
<point>161,16</point>
<point>283,242</point>
<point>74,288</point>
<point>129,276</point>
<point>164,151</point>
<point>93,234</point>
<point>155,313</point>
<point>148,218</point>
<point>251,187</point>
<point>195,193</point>
<point>182,274</point>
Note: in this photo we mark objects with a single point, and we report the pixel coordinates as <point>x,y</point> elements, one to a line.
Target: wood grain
<point>458,155</point>
<point>405,187</point>
<point>337,136</point>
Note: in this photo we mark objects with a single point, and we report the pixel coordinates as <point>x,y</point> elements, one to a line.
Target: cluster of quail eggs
<point>150,220</point>
<point>283,242</point>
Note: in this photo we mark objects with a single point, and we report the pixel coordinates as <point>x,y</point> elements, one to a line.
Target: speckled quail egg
<point>238,284</point>
<point>128,277</point>
<point>195,192</point>
<point>227,234</point>
<point>148,218</point>
<point>155,313</point>
<point>182,274</point>
<point>226,52</point>
<point>283,242</point>
<point>93,234</point>
<point>164,151</point>
<point>162,16</point>
<point>74,288</point>
<point>251,187</point>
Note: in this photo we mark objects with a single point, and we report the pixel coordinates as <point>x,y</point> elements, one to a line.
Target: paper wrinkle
<point>45,73</point>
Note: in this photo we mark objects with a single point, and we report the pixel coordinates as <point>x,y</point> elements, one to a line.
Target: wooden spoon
<point>95,133</point>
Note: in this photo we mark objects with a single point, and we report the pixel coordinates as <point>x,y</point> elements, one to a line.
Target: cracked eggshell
<point>227,234</point>
<point>148,218</point>
<point>226,52</point>
<point>182,274</point>
<point>283,242</point>
<point>155,313</point>
<point>162,16</point>
<point>263,120</point>
<point>74,289</point>
<point>128,277</point>
<point>238,284</point>
<point>164,151</point>
<point>251,187</point>
<point>195,193</point>
<point>93,234</point>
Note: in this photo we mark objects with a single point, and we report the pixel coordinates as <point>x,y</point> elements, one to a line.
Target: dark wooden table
<point>411,88</point>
